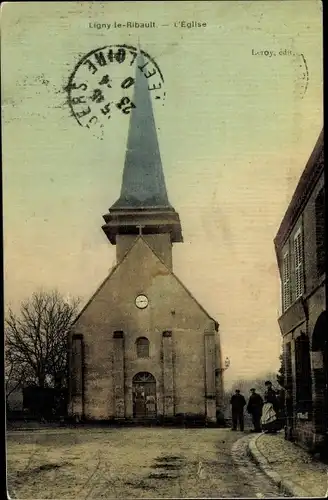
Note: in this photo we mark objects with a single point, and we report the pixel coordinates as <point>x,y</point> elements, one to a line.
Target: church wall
<point>189,370</point>
<point>98,381</point>
<point>170,308</point>
<point>76,385</point>
<point>219,385</point>
<point>160,243</point>
<point>123,243</point>
<point>162,246</point>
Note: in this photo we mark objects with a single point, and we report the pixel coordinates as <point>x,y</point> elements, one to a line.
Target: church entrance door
<point>144,396</point>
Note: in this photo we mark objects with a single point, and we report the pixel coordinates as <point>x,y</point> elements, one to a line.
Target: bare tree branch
<point>36,339</point>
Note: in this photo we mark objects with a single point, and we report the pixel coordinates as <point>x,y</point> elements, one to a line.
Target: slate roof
<point>143,183</point>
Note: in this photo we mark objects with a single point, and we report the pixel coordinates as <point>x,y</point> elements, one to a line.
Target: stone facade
<point>300,248</point>
<point>143,347</point>
<point>183,344</point>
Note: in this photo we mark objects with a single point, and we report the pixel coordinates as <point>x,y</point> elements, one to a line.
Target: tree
<point>36,340</point>
<point>16,373</point>
<point>245,385</point>
<point>281,372</point>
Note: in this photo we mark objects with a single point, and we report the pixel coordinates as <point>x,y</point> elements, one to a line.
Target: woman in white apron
<point>269,418</point>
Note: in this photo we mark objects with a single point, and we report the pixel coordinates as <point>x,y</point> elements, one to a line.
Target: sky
<point>241,115</point>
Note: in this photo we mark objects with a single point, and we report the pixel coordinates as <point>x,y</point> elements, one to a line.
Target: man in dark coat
<point>254,408</point>
<point>237,402</point>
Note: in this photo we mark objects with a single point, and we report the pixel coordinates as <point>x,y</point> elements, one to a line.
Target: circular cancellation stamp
<point>101,84</point>
<point>300,70</point>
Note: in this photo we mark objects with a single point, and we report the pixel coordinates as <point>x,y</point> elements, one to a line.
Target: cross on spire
<point>140,227</point>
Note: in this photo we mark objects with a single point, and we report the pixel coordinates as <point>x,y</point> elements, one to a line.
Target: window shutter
<point>286,282</point>
<point>298,257</point>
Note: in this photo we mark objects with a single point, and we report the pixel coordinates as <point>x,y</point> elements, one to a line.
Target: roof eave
<point>310,175</point>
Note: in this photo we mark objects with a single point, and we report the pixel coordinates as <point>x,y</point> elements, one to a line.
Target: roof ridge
<point>138,238</point>
<point>111,272</point>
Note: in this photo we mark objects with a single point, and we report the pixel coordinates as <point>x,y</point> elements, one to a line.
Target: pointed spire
<point>143,184</point>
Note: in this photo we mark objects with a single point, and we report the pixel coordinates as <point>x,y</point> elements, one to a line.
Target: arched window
<point>142,345</point>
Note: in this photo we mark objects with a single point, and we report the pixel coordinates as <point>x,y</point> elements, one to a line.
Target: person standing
<point>271,396</point>
<point>269,419</point>
<point>254,408</point>
<point>237,402</point>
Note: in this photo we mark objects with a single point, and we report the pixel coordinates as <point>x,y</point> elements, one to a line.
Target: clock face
<point>141,301</point>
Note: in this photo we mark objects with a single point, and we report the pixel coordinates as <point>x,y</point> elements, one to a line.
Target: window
<point>303,374</point>
<point>298,260</point>
<point>142,345</point>
<point>286,282</point>
<point>320,231</point>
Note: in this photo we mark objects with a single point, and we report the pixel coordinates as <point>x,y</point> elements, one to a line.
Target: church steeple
<point>143,201</point>
<point>143,183</point>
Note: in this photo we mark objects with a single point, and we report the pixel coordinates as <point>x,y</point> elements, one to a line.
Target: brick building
<point>143,347</point>
<point>300,249</point>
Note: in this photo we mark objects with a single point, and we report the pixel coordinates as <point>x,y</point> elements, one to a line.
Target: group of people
<point>266,414</point>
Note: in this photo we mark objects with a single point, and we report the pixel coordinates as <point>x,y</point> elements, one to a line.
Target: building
<point>300,249</point>
<point>14,399</point>
<point>143,347</point>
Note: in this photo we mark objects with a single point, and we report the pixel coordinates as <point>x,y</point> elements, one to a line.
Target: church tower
<point>143,348</point>
<point>143,206</point>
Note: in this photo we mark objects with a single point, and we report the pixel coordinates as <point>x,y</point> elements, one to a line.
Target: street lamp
<point>226,363</point>
<point>223,368</point>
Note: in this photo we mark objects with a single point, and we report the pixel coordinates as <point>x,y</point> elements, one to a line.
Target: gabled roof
<point>169,272</point>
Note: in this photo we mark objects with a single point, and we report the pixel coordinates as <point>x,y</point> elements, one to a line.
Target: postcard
<point>164,200</point>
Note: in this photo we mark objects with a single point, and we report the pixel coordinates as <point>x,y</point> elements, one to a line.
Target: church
<point>143,348</point>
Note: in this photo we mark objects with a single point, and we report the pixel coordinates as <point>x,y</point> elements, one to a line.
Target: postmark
<point>100,88</point>
<point>301,74</point>
<point>299,66</point>
<point>304,76</point>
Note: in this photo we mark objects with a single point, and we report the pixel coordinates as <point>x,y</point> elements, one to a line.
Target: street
<point>132,463</point>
